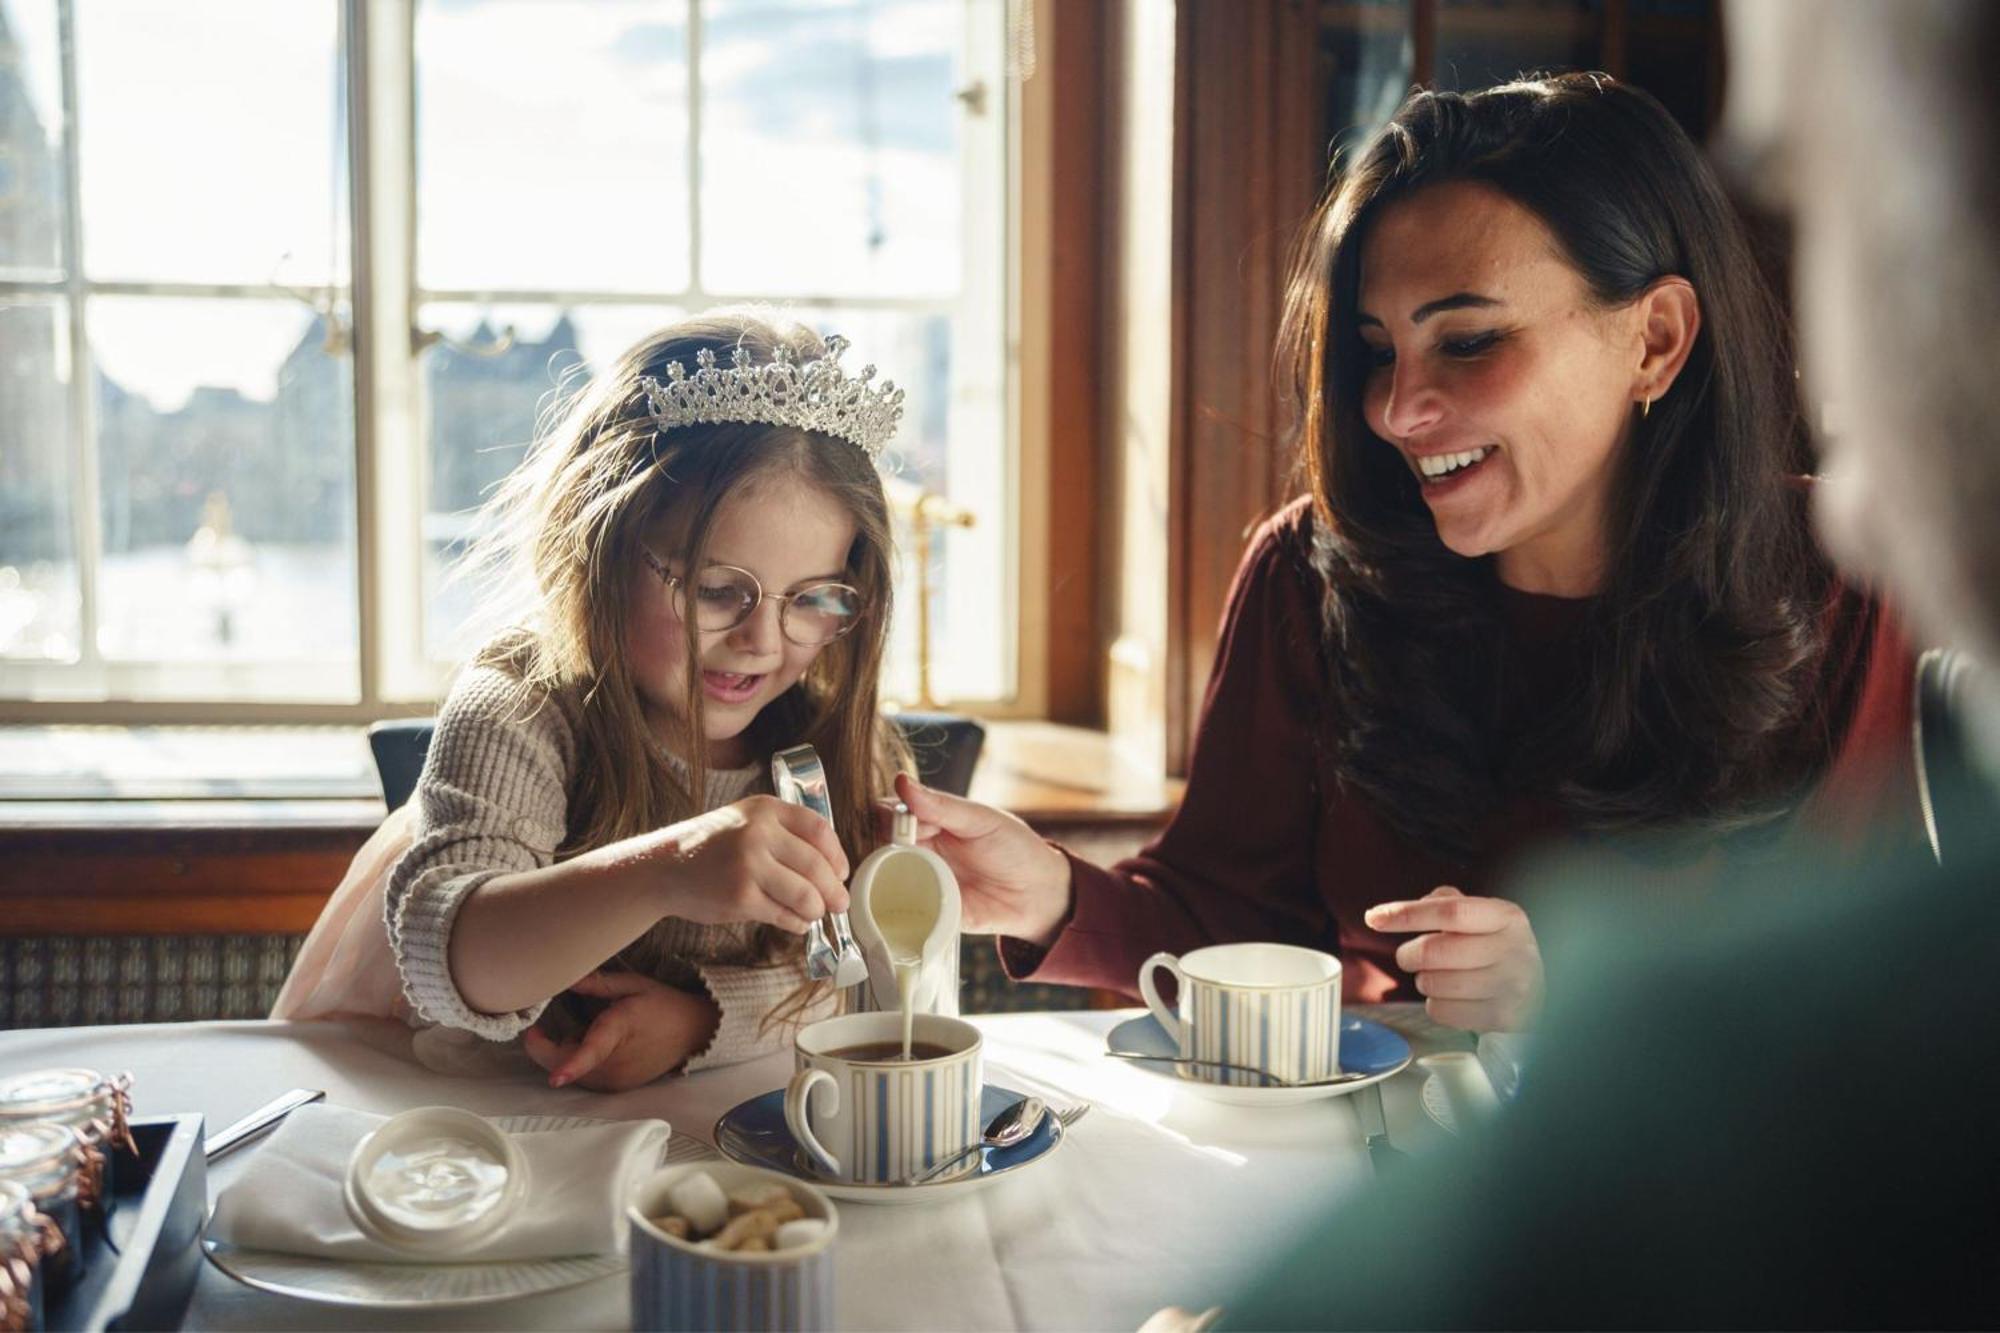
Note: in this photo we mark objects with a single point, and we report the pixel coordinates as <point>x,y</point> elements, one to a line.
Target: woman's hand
<point>1009,880</point>
<point>1479,967</point>
<point>756,860</point>
<point>648,1028</point>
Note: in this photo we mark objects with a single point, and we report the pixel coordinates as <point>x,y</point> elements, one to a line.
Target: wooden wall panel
<point>1077,53</point>
<point>192,881</point>
<point>1251,154</point>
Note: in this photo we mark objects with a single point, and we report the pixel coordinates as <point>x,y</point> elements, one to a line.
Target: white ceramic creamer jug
<point>905,915</point>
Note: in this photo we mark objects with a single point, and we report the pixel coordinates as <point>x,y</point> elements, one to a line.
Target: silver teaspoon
<point>1273,1080</point>
<point>1015,1123</point>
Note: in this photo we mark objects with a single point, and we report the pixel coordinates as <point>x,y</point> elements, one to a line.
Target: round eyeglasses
<point>726,596</point>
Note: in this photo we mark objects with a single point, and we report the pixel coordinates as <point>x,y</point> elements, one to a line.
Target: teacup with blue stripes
<point>1269,1007</point>
<point>881,1121</point>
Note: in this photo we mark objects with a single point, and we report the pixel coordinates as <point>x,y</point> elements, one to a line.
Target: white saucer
<point>399,1286</point>
<point>1366,1047</point>
<point>755,1134</point>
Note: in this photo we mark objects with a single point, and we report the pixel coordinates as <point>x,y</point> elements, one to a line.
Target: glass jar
<point>97,1107</point>
<point>25,1235</point>
<point>51,1163</point>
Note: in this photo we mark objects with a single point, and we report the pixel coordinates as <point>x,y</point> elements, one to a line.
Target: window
<point>246,498</point>
<point>177,445</point>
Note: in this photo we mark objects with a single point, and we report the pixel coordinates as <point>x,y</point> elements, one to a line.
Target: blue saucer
<point>1366,1047</point>
<point>755,1134</point>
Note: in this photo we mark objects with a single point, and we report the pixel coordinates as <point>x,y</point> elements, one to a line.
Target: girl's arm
<point>519,938</point>
<point>487,926</point>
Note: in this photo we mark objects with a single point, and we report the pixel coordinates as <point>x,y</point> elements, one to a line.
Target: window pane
<point>182,181</point>
<point>226,446</point>
<point>1366,48</point>
<point>38,575</point>
<point>830,146</point>
<point>949,444</point>
<point>552,145</point>
<point>483,411</point>
<point>1479,45</point>
<point>31,155</point>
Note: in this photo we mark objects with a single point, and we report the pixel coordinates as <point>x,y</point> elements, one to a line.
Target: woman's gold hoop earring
<point>1646,407</point>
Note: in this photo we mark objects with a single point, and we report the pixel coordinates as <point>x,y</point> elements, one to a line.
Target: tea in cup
<point>1270,1007</point>
<point>862,1114</point>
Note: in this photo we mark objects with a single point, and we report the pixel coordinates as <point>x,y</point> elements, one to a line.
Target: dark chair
<point>1959,802</point>
<point>399,746</point>
<point>944,745</point>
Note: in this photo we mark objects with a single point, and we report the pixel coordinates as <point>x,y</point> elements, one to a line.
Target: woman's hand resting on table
<point>1477,965</point>
<point>1009,880</point>
<point>648,1028</point>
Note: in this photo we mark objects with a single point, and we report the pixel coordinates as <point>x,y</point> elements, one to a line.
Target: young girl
<point>708,544</point>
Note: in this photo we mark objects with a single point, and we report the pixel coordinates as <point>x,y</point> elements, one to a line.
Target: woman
<point>1554,576</point>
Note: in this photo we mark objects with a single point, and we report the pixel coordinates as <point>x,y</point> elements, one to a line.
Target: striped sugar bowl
<point>684,1285</point>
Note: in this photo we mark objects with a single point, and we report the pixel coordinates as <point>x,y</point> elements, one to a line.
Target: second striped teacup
<point>1269,1007</point>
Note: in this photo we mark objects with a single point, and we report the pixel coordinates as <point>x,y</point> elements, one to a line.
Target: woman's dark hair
<point>1698,702</point>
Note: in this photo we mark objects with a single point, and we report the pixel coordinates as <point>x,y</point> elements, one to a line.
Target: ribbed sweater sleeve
<point>493,800</point>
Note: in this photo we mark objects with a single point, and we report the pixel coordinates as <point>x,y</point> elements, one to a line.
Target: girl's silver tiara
<point>817,395</point>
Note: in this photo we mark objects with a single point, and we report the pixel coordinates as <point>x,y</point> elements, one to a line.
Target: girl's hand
<point>757,860</point>
<point>648,1029</point>
<point>1479,968</point>
<point>1010,881</point>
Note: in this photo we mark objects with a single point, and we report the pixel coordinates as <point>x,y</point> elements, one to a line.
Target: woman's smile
<point>1447,473</point>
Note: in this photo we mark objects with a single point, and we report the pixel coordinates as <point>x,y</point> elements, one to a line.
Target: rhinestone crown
<point>817,395</point>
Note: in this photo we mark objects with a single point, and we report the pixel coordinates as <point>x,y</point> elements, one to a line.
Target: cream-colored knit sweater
<point>492,800</point>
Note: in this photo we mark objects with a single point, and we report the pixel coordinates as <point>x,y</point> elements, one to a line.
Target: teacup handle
<point>1169,1020</point>
<point>797,1094</point>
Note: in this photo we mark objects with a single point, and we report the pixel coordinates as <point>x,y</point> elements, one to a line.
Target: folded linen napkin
<point>289,1196</point>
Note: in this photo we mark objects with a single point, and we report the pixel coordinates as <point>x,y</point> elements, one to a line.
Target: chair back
<point>946,747</point>
<point>399,746</point>
<point>1959,803</point>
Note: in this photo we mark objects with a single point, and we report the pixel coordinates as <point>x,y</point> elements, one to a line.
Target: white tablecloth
<point>1158,1198</point>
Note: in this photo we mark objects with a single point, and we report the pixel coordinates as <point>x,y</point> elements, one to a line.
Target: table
<point>1158,1198</point>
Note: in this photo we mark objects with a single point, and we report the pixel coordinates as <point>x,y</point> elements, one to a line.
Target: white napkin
<point>289,1196</point>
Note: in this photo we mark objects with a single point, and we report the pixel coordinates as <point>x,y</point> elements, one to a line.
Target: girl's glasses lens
<point>723,599</point>
<point>822,613</point>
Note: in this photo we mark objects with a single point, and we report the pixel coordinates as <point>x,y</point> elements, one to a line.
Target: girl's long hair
<point>1700,703</point>
<point>569,522</point>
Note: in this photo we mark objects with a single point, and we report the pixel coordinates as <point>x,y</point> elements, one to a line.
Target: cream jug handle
<point>1168,1018</point>
<point>798,1093</point>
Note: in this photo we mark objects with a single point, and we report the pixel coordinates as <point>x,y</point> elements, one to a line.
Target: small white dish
<point>435,1181</point>
<point>1366,1047</point>
<point>1437,1104</point>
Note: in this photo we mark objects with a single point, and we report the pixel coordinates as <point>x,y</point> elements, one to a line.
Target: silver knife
<point>1375,1128</point>
<point>259,1121</point>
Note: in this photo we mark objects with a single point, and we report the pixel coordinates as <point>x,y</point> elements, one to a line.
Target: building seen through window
<point>186,522</point>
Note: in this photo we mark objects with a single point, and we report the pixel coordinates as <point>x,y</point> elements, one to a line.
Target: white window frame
<point>390,444</point>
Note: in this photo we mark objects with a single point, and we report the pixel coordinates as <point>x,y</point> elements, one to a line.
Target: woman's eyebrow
<point>1456,301</point>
